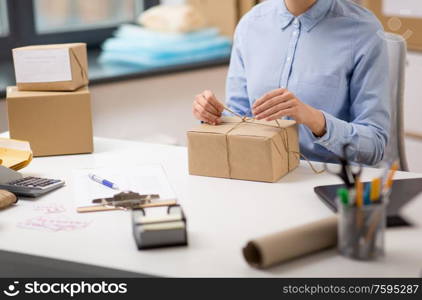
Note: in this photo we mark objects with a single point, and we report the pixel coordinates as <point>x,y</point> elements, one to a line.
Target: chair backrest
<point>397,50</point>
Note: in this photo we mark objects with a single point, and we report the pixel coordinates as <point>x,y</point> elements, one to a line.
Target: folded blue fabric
<point>143,60</point>
<point>142,47</point>
<point>164,49</point>
<point>134,32</point>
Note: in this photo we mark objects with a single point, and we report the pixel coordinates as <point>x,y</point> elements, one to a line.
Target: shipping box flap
<point>13,92</point>
<point>15,154</point>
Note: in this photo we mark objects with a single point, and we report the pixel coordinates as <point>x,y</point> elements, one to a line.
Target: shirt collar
<point>309,19</point>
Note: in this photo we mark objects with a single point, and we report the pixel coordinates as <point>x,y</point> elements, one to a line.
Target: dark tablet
<point>404,190</point>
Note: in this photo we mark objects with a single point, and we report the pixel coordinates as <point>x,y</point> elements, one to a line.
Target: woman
<point>322,63</point>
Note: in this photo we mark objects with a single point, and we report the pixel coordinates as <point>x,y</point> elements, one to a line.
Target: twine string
<point>284,141</point>
<point>83,72</point>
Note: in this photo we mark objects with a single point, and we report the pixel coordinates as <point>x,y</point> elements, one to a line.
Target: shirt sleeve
<point>236,85</point>
<point>368,130</point>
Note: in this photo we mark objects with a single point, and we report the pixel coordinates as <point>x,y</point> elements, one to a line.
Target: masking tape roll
<point>282,246</point>
<point>7,199</point>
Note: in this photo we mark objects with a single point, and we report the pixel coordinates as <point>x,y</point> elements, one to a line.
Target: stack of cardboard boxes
<point>50,106</point>
<point>223,14</point>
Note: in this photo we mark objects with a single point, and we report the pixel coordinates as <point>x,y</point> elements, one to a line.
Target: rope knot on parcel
<point>284,139</point>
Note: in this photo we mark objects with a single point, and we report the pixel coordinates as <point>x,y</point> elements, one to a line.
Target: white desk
<point>222,216</point>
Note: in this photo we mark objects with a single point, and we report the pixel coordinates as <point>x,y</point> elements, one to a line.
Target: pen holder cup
<point>361,231</point>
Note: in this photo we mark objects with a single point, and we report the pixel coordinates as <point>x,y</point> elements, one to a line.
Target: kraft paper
<point>247,150</point>
<point>283,246</point>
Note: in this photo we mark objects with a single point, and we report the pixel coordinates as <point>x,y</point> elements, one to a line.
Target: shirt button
<point>296,22</point>
<point>295,33</point>
<point>289,58</point>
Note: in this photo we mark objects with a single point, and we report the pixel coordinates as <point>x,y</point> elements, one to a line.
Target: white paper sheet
<point>403,8</point>
<point>47,65</point>
<point>143,179</point>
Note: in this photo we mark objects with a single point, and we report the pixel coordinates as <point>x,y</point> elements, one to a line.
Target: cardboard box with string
<point>50,106</point>
<point>244,148</point>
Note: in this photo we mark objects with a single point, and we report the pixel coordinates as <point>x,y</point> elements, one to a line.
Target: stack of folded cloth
<point>169,35</point>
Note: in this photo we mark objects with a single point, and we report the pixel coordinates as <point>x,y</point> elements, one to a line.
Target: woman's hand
<point>282,103</point>
<point>207,108</point>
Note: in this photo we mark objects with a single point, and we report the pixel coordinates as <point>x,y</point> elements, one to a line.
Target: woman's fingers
<point>204,115</point>
<point>273,102</point>
<point>206,104</point>
<point>284,113</point>
<point>212,100</point>
<point>268,96</point>
<point>275,109</point>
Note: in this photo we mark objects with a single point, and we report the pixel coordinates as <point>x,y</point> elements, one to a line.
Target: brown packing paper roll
<point>7,199</point>
<point>279,247</point>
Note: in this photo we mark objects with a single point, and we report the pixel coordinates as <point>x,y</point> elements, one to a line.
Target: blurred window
<point>72,15</point>
<point>4,24</point>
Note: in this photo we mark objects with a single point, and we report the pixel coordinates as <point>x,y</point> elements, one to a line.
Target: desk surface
<point>222,216</point>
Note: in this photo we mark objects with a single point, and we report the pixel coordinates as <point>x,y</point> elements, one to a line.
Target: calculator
<point>32,186</point>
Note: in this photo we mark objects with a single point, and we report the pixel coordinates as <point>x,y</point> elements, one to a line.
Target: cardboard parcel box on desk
<point>61,67</point>
<point>247,150</point>
<point>54,123</point>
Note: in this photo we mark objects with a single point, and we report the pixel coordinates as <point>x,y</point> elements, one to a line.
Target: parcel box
<point>223,14</point>
<point>62,67</point>
<point>54,123</point>
<point>251,150</point>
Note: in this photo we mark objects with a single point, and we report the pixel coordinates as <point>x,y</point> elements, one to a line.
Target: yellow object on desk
<point>359,192</point>
<point>375,189</point>
<point>15,154</point>
<point>390,177</point>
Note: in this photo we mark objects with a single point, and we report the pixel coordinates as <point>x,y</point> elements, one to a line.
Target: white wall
<point>413,94</point>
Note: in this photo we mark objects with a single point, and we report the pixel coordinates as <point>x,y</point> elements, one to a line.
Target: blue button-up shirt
<point>333,57</point>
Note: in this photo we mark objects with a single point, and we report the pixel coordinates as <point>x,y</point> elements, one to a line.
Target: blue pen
<point>367,194</point>
<point>103,181</point>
